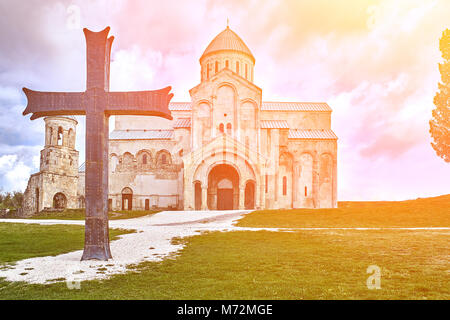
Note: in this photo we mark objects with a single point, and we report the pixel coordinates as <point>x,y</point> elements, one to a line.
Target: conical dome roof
<point>227,40</point>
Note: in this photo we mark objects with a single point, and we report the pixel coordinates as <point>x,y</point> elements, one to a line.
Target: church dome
<point>227,40</point>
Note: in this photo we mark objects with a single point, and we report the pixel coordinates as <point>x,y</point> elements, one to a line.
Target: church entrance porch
<point>127,199</point>
<point>223,188</point>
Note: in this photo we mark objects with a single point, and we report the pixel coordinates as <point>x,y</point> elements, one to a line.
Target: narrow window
<point>229,128</point>
<point>284,185</point>
<point>60,137</point>
<point>144,159</point>
<point>207,71</point>
<point>267,183</point>
<point>217,67</point>
<point>237,67</point>
<point>246,72</point>
<point>163,159</point>
<point>227,64</point>
<point>221,128</point>
<point>306,191</point>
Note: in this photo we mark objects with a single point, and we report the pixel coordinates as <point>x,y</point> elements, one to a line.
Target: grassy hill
<point>426,212</point>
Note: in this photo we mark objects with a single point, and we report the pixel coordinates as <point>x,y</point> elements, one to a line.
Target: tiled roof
<point>180,106</point>
<point>227,40</point>
<point>182,123</point>
<point>312,134</point>
<point>140,134</point>
<point>274,124</point>
<point>82,168</point>
<point>295,106</point>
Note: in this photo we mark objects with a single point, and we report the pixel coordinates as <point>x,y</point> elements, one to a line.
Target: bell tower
<point>55,185</point>
<point>59,155</point>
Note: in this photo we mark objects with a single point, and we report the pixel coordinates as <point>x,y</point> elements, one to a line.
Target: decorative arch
<point>144,158</point>
<point>163,158</point>
<point>113,162</point>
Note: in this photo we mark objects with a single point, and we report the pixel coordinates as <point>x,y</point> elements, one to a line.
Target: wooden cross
<point>98,103</point>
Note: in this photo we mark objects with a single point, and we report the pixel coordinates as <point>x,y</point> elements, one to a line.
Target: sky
<point>375,62</point>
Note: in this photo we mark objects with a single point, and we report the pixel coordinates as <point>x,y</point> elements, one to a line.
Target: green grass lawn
<point>277,265</point>
<point>79,214</point>
<point>21,241</point>
<point>316,264</point>
<point>427,212</point>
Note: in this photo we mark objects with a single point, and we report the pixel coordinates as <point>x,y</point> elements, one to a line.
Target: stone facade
<point>225,149</point>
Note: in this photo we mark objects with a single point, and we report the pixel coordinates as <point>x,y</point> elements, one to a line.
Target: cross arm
<point>149,103</point>
<point>42,104</point>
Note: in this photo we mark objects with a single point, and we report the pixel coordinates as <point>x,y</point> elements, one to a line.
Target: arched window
<point>163,158</point>
<point>284,185</point>
<point>60,137</point>
<point>306,191</point>
<point>227,64</point>
<point>144,159</point>
<point>237,67</point>
<point>229,128</point>
<point>216,68</point>
<point>221,128</point>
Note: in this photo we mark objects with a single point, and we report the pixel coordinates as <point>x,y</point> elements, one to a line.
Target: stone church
<point>225,149</point>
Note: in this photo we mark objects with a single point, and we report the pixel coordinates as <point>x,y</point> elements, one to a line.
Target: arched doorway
<point>59,201</point>
<point>127,199</point>
<point>223,188</point>
<point>249,195</point>
<point>198,195</point>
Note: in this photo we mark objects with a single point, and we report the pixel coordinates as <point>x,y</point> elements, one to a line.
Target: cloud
<point>373,61</point>
<point>14,173</point>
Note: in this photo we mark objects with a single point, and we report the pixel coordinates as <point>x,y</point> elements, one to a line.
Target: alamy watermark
<point>374,280</point>
<point>73,21</point>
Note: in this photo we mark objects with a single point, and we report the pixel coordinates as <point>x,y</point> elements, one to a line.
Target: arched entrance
<point>59,201</point>
<point>127,199</point>
<point>249,195</point>
<point>223,188</point>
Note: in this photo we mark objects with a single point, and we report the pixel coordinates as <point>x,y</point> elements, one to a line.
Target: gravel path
<point>152,241</point>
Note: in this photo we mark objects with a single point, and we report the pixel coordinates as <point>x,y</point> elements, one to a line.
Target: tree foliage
<point>11,200</point>
<point>440,122</point>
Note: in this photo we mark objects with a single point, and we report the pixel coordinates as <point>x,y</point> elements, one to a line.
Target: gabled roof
<point>322,134</point>
<point>180,106</point>
<point>274,124</point>
<point>141,135</point>
<point>268,106</point>
<point>227,40</point>
<point>182,123</point>
<point>295,106</point>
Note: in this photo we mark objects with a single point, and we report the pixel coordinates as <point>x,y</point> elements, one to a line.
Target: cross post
<point>97,103</point>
